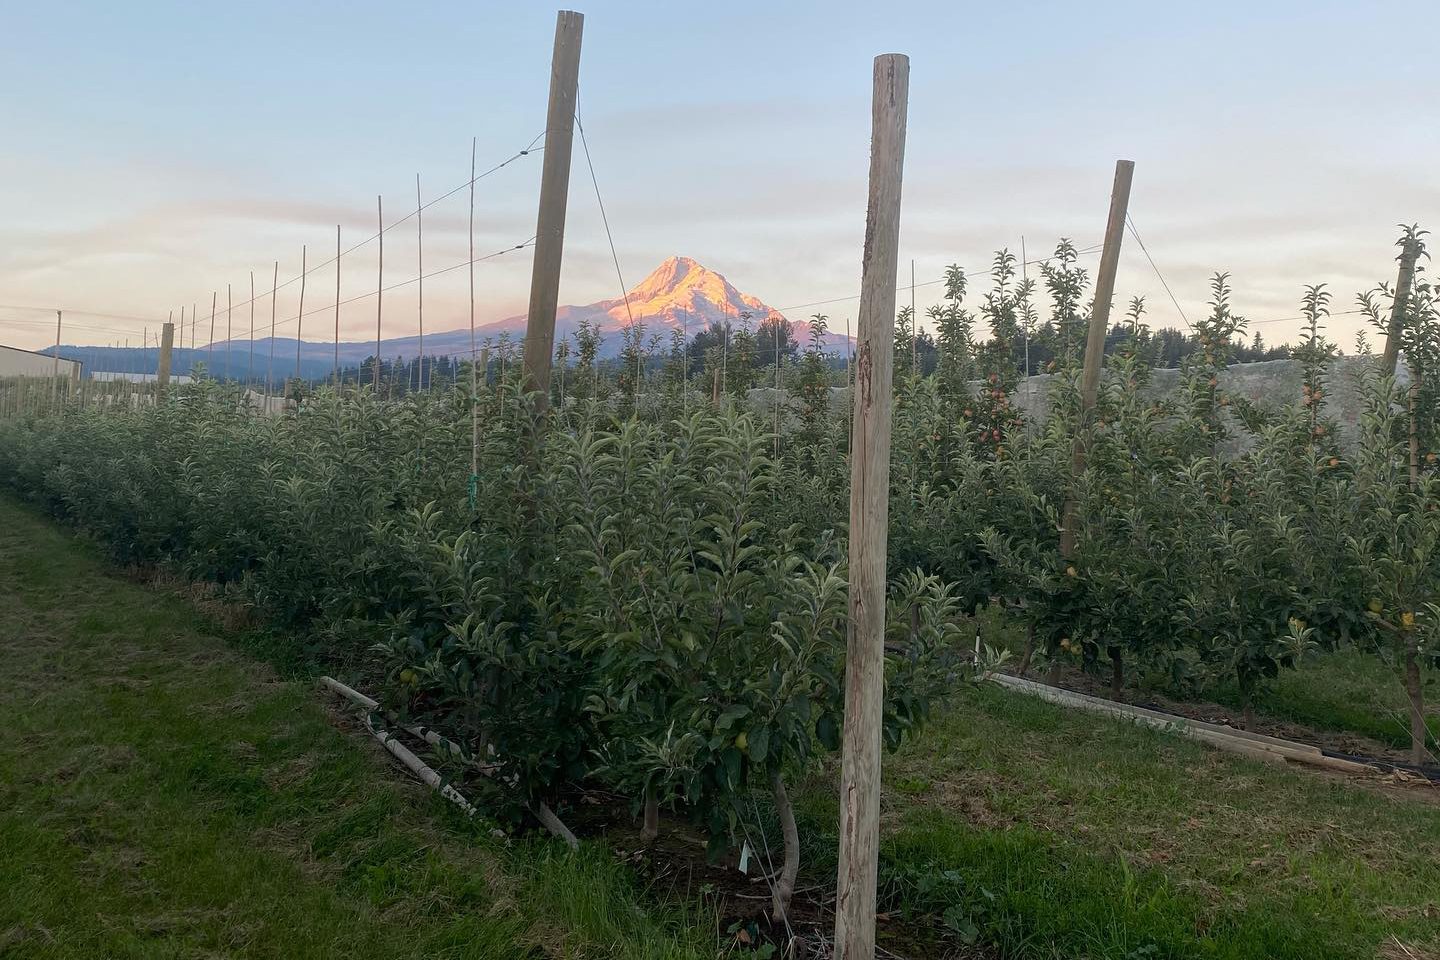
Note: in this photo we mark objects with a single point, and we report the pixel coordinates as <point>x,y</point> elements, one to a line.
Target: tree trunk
<point>1247,698</point>
<point>1052,673</point>
<point>1029,651</point>
<point>651,828</point>
<point>1419,733</point>
<point>1117,671</point>
<point>785,884</point>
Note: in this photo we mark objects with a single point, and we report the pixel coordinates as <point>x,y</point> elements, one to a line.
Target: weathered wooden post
<point>1090,377</point>
<point>55,374</point>
<point>167,346</point>
<point>1095,342</point>
<point>869,519</point>
<point>554,188</point>
<point>1410,247</point>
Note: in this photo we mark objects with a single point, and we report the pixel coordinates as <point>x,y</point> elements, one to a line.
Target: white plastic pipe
<point>542,811</point>
<point>420,768</point>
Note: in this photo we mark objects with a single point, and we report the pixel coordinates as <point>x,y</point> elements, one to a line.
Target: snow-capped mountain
<point>680,293</point>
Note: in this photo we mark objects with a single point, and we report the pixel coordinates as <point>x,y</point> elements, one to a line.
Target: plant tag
<point>745,857</point>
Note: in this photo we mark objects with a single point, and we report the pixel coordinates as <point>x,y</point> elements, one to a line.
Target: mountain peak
<point>682,292</point>
<point>675,273</point>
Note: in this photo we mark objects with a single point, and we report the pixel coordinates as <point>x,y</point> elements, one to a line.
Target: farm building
<point>15,362</point>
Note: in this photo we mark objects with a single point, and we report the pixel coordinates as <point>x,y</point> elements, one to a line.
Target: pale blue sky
<point>156,151</point>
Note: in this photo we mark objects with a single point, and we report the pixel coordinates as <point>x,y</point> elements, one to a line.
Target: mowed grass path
<point>163,795</point>
<point>1071,834</point>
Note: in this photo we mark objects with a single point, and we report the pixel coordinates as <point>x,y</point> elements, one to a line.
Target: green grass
<point>1347,691</point>
<point>1344,691</point>
<point>163,795</point>
<point>1059,834</point>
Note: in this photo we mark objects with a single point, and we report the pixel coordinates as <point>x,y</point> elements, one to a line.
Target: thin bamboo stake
<point>474,381</point>
<point>777,321</point>
<point>210,347</point>
<point>1414,688</point>
<point>420,284</point>
<point>1024,279</point>
<point>914,327</point>
<point>725,352</point>
<point>300,317</point>
<point>849,389</point>
<point>250,367</point>
<point>229,330</point>
<point>270,363</point>
<point>379,287</point>
<point>337,307</point>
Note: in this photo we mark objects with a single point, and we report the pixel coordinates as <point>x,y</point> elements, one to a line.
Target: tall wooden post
<point>1095,342</point>
<point>869,520</point>
<point>167,346</point>
<point>55,374</point>
<point>554,188</point>
<point>1409,253</point>
<point>210,347</point>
